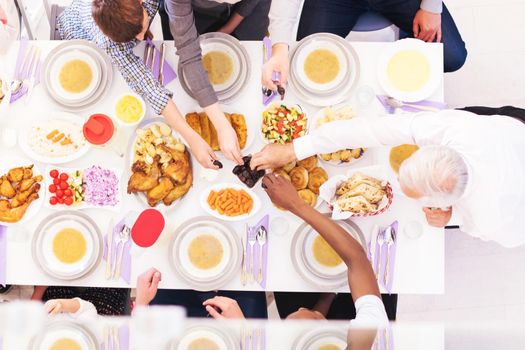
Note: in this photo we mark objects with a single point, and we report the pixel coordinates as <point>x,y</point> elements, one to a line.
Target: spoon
<point>392,102</point>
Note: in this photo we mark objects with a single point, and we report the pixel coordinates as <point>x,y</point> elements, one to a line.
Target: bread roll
<point>299,177</point>
<point>316,178</point>
<point>308,196</point>
<point>309,163</point>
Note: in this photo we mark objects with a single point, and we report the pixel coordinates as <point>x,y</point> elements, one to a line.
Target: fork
<point>122,239</point>
<point>380,242</point>
<point>252,238</point>
<point>31,80</point>
<point>261,237</point>
<point>389,239</point>
<point>243,271</point>
<point>18,83</point>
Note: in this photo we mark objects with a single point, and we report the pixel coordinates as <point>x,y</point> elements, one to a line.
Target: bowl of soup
<point>75,76</point>
<point>130,109</point>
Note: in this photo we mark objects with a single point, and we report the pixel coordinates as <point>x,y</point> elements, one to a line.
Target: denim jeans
<point>339,17</point>
<point>252,304</point>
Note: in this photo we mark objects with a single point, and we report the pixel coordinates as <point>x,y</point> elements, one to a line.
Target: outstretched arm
<point>361,277</point>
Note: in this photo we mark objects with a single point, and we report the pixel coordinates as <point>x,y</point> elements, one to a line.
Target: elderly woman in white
<point>473,165</point>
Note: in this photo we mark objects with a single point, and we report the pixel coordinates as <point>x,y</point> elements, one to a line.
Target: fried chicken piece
<point>26,184</point>
<point>179,191</point>
<point>157,193</point>
<point>179,167</point>
<point>144,179</point>
<point>205,127</point>
<point>4,205</point>
<point>194,122</point>
<point>15,214</point>
<point>239,125</point>
<point>22,197</point>
<point>20,173</point>
<point>6,189</point>
<point>28,172</point>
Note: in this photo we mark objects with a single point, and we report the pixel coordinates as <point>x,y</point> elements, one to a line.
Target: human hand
<point>273,156</point>
<point>280,63</point>
<point>202,152</point>
<point>147,285</point>
<point>282,193</point>
<point>437,217</point>
<point>427,26</point>
<point>229,142</point>
<point>53,306</point>
<point>222,307</point>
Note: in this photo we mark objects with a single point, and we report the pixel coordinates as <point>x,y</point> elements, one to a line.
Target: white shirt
<point>284,15</point>
<point>86,312</point>
<point>493,205</point>
<point>370,312</point>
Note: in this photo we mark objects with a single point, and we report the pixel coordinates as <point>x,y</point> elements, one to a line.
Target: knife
<point>373,243</point>
<point>161,64</point>
<point>33,70</point>
<point>110,249</point>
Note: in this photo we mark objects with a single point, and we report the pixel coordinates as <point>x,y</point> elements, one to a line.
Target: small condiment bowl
<point>142,104</point>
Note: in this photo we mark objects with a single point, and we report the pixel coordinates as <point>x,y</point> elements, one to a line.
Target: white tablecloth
<point>419,266</point>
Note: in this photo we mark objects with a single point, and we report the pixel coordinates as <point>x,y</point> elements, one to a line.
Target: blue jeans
<point>252,304</point>
<point>339,17</point>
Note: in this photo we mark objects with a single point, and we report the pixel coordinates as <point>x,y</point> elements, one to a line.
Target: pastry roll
<point>193,121</point>
<point>205,128</point>
<point>308,196</point>
<point>214,139</point>
<point>282,173</point>
<point>239,125</point>
<point>356,204</point>
<point>372,194</point>
<point>308,163</point>
<point>288,167</point>
<point>316,178</point>
<point>299,177</point>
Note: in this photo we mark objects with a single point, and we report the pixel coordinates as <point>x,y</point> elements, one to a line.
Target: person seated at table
<point>83,302</point>
<point>117,26</point>
<point>218,304</point>
<point>427,20</point>
<point>243,19</point>
<point>369,308</point>
<point>468,164</point>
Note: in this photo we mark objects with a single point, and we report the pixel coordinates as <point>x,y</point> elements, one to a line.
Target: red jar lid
<point>99,129</point>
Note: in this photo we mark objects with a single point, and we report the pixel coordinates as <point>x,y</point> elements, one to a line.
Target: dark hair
<point>120,20</point>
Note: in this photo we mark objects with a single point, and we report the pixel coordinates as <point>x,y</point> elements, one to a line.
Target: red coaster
<point>147,228</point>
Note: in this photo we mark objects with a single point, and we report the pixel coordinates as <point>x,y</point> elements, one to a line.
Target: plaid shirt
<point>76,22</point>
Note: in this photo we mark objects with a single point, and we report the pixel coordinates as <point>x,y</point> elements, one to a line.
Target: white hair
<point>438,173</point>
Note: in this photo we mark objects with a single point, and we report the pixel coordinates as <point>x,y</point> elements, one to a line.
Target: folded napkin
<point>3,254</point>
<point>123,340</point>
<point>439,105</point>
<point>168,73</point>
<point>125,267</point>
<point>384,251</point>
<point>21,54</point>
<point>264,222</point>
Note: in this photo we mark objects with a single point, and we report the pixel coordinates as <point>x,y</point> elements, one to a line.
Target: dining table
<point>419,263</point>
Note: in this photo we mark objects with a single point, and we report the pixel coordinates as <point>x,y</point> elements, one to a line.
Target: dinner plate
<point>231,89</point>
<point>24,141</point>
<point>324,97</point>
<point>90,49</point>
<point>315,119</point>
<point>305,264</point>
<point>428,88</point>
<point>42,245</point>
<point>223,339</point>
<point>320,337</point>
<point>217,187</point>
<point>58,64</point>
<point>61,330</point>
<point>201,279</point>
<point>35,206</point>
<point>146,123</point>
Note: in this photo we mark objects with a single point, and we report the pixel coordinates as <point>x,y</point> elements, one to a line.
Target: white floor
<point>483,281</point>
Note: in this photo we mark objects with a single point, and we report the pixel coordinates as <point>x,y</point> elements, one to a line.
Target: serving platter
<point>205,279</point>
<point>59,117</point>
<point>309,269</point>
<point>46,232</point>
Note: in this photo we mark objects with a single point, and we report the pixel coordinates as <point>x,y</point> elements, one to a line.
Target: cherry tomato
<point>68,200</point>
<point>68,192</point>
<point>56,181</point>
<point>61,200</point>
<point>53,173</point>
<point>64,176</point>
<point>59,193</point>
<point>52,188</point>
<point>63,185</point>
<point>53,200</point>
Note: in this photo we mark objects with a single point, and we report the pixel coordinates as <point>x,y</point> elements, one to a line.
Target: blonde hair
<point>438,173</point>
